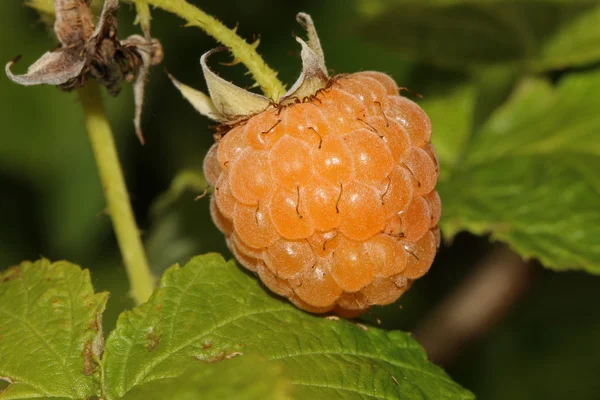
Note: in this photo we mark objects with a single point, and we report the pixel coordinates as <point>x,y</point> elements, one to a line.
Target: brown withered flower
<point>89,50</point>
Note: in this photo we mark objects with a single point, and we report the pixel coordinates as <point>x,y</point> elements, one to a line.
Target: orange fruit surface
<point>331,201</point>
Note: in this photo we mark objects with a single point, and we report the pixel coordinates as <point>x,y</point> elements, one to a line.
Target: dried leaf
<point>314,74</point>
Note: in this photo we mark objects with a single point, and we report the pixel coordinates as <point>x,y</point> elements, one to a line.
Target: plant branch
<point>479,302</point>
<point>143,17</point>
<point>115,191</point>
<point>243,51</point>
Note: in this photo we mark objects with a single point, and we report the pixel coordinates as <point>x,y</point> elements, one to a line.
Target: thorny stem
<point>243,51</point>
<point>115,191</point>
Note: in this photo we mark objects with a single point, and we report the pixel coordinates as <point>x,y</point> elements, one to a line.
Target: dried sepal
<point>107,24</point>
<point>314,74</point>
<point>227,103</point>
<point>151,54</point>
<point>200,101</point>
<point>89,50</point>
<point>139,89</point>
<point>80,40</point>
<point>74,22</point>
<point>231,101</point>
<point>313,38</point>
<point>53,68</point>
<point>313,77</point>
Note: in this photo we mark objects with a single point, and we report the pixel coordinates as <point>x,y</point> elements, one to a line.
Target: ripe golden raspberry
<point>327,193</point>
<point>331,200</point>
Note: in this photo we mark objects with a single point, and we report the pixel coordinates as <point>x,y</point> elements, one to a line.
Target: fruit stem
<point>243,51</point>
<point>115,191</point>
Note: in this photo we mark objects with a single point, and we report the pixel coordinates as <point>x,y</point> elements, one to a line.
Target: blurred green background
<point>51,202</point>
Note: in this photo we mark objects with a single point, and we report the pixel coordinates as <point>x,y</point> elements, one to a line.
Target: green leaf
<point>241,378</point>
<point>452,130</point>
<point>458,104</point>
<point>210,309</point>
<point>531,175</point>
<point>464,34</point>
<point>449,101</point>
<point>50,331</point>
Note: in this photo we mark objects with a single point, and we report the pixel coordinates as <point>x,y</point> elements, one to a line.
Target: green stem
<point>143,17</point>
<point>100,364</point>
<point>115,191</point>
<point>243,51</point>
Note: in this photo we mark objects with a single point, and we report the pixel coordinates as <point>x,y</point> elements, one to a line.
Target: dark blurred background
<point>51,204</point>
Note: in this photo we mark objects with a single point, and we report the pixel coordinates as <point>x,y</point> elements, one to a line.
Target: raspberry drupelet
<point>328,194</point>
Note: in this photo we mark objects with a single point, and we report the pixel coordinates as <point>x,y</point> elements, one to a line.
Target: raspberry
<point>331,201</point>
<point>328,193</point>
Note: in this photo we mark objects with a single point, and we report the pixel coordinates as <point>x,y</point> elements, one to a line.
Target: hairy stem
<point>115,191</point>
<point>243,51</point>
<point>143,17</point>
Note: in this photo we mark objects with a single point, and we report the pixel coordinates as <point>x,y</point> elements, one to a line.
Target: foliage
<point>530,175</point>
<point>50,331</point>
<point>201,314</point>
<point>245,378</point>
